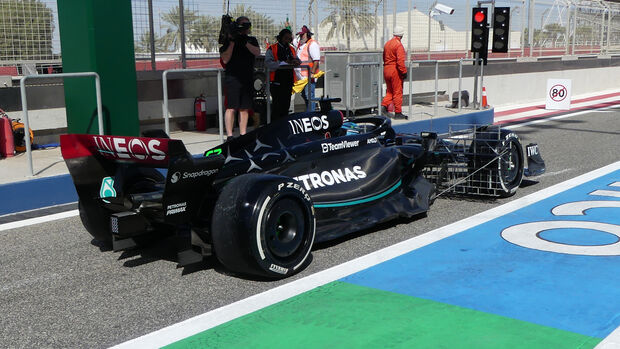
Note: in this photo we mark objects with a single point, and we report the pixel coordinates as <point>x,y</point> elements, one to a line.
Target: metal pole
<point>429,34</point>
<point>165,105</point>
<point>436,87</point>
<point>268,93</point>
<point>182,29</point>
<point>394,13</point>
<point>460,82</point>
<point>608,28</point>
<point>467,25</point>
<point>409,76</point>
<point>99,106</point>
<point>530,25</point>
<point>383,35</point>
<point>220,104</point>
<point>348,90</point>
<point>574,27</point>
<point>567,31</point>
<point>294,3</point>
<point>476,72</point>
<point>152,36</point>
<point>481,82</point>
<point>523,29</point>
<point>409,30</point>
<point>602,32</point>
<point>379,88</point>
<point>26,124</point>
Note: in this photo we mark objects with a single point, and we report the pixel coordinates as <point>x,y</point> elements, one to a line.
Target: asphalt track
<point>59,290</point>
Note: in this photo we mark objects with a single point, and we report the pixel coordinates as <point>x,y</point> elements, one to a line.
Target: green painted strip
<point>355,202</point>
<point>343,315</point>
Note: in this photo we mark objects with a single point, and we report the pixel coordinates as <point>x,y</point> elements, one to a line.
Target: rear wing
<point>122,173</point>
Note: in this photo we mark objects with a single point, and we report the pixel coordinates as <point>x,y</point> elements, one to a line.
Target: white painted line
<point>37,220</point>
<point>610,193</point>
<point>610,342</point>
<point>547,119</point>
<point>203,322</point>
<point>37,209</point>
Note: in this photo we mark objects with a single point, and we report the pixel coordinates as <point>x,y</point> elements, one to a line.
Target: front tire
<point>263,225</point>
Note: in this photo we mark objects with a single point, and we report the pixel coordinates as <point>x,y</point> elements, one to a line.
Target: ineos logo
<point>175,177</point>
<point>129,148</point>
<point>310,124</point>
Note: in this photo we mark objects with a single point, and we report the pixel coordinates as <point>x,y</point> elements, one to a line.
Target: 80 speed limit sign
<point>558,94</point>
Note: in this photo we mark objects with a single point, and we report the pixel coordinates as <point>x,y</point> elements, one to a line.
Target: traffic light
<point>501,29</point>
<point>479,32</point>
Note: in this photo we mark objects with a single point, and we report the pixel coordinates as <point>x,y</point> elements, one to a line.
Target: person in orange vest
<point>309,52</point>
<point>281,55</point>
<point>394,73</point>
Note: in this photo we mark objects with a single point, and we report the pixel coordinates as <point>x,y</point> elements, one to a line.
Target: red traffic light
<point>479,17</point>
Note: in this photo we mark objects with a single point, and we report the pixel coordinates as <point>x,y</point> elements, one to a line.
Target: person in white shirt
<point>309,52</point>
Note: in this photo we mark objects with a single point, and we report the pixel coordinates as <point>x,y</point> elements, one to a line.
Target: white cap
<point>399,31</point>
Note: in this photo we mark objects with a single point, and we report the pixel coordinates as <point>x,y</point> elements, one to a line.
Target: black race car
<point>260,201</point>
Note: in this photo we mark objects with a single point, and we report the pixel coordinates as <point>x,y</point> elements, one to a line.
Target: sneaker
<point>230,138</point>
<point>400,116</point>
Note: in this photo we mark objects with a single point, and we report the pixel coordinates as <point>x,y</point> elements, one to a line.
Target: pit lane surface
<point>59,290</point>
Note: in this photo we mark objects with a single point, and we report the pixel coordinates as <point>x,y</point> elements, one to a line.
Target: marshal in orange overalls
<point>393,71</point>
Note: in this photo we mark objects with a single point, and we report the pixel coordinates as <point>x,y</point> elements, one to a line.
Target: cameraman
<point>238,53</point>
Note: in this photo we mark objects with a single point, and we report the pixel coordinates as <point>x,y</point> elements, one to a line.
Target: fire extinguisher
<point>7,145</point>
<point>200,110</point>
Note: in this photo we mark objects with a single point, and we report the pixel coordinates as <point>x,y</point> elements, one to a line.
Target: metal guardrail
<point>220,106</point>
<point>412,64</point>
<point>22,84</point>
<point>347,98</point>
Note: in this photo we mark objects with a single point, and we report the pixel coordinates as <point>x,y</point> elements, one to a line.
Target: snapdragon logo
<point>303,125</point>
<point>187,175</point>
<point>327,178</point>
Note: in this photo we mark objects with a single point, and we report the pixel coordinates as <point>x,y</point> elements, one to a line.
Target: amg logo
<point>278,269</point>
<point>327,147</point>
<point>176,208</point>
<point>325,178</point>
<point>129,148</point>
<point>304,125</point>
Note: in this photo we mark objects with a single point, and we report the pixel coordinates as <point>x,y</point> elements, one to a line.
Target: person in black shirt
<point>280,58</point>
<point>238,54</point>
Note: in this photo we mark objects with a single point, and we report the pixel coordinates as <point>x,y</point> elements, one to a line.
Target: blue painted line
<point>478,269</point>
<point>361,201</point>
<point>442,125</point>
<point>36,193</point>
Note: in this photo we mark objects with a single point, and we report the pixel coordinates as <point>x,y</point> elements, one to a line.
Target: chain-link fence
<point>29,39</point>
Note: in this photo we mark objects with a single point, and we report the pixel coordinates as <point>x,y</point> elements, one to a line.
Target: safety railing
<point>268,85</point>
<point>347,99</point>
<point>415,64</point>
<point>220,109</point>
<point>22,84</point>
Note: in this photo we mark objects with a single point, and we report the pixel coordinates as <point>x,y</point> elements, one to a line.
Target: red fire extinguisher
<point>7,144</point>
<point>200,110</point>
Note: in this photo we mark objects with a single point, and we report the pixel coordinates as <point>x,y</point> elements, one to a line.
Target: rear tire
<point>263,225</point>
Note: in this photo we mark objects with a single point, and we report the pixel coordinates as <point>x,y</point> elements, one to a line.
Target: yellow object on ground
<point>299,85</point>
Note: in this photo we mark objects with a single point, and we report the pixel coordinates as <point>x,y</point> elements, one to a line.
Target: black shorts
<point>238,93</point>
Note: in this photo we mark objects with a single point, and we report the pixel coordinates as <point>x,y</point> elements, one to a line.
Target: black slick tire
<point>263,225</point>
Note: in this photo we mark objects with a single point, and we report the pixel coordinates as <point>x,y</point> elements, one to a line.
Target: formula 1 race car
<point>260,201</point>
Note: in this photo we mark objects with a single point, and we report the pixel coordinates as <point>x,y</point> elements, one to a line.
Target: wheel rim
<point>510,164</point>
<point>285,229</point>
